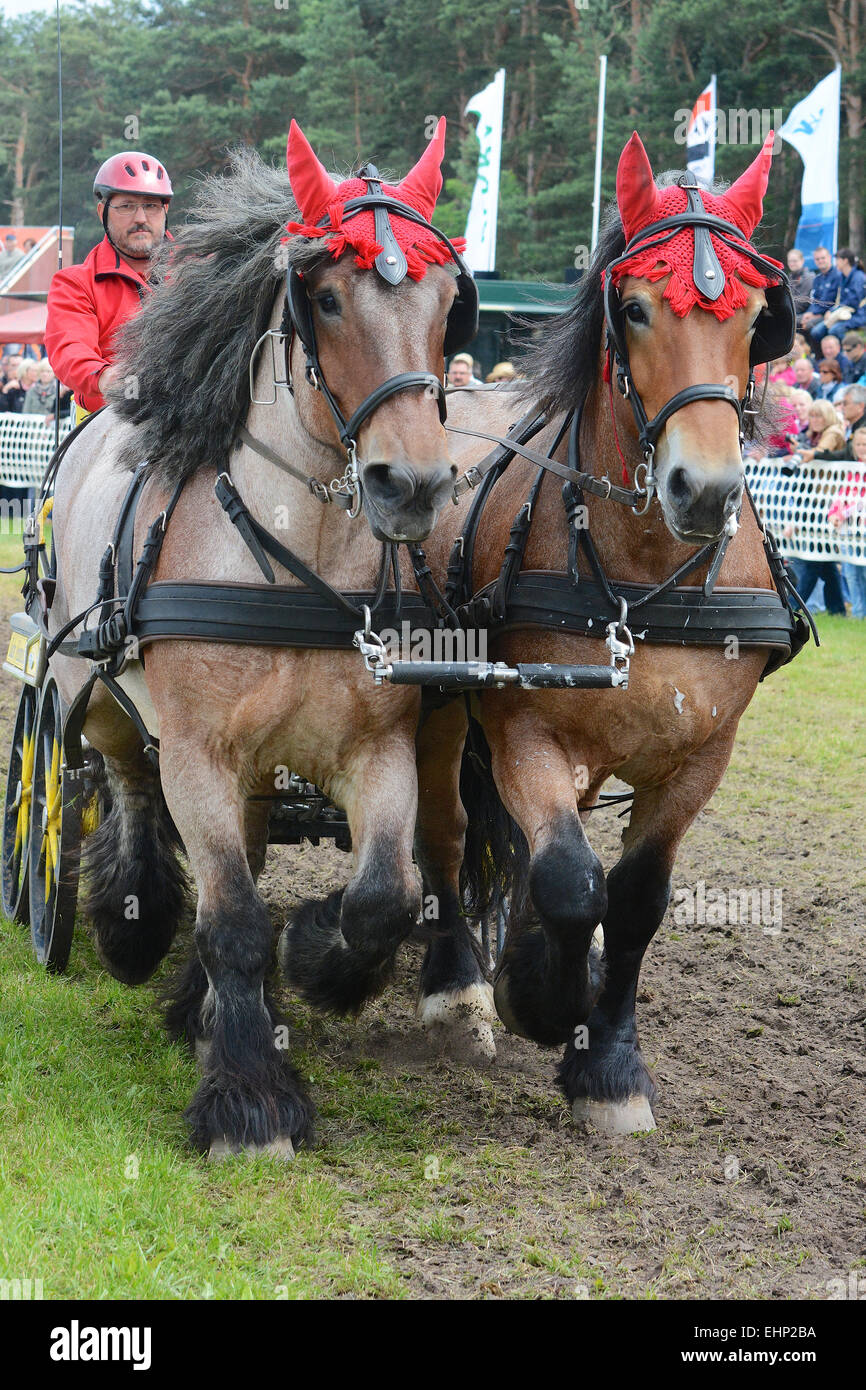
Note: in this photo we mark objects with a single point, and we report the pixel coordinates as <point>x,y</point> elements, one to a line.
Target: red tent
<point>24,325</point>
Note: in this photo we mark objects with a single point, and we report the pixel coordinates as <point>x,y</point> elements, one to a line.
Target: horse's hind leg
<point>135,887</point>
<point>603,1073</point>
<point>455,1002</point>
<point>249,1097</point>
<point>548,978</point>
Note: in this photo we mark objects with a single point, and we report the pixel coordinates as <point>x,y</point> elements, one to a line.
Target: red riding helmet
<point>132,172</point>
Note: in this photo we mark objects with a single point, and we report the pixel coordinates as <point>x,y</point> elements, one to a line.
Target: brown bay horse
<point>669,735</point>
<point>230,718</point>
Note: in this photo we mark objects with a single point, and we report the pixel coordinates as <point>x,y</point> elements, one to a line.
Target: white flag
<point>480,251</point>
<point>701,135</point>
<point>813,129</point>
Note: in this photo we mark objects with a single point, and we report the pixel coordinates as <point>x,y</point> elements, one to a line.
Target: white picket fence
<point>26,446</point>
<point>797,503</point>
<point>795,507</point>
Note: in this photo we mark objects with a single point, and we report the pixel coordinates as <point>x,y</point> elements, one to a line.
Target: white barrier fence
<point>795,506</point>
<point>26,446</point>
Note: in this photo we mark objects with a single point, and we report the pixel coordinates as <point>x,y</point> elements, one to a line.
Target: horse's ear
<point>745,198</point>
<point>636,194</point>
<point>423,184</point>
<point>311,183</point>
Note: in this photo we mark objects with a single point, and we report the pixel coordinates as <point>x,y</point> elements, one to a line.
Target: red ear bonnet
<point>319,199</point>
<point>642,203</point>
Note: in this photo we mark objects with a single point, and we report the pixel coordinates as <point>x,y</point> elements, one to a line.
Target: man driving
<point>88,303</point>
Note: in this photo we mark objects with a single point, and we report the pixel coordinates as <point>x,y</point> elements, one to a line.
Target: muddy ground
<point>755,1181</point>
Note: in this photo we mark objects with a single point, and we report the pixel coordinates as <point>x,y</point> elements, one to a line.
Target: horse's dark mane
<point>182,362</point>
<point>564,365</point>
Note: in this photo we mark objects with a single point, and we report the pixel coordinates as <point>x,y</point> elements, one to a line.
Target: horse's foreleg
<point>338,952</point>
<point>249,1098</point>
<point>455,1003</point>
<point>256,817</point>
<point>603,1073</point>
<point>547,979</point>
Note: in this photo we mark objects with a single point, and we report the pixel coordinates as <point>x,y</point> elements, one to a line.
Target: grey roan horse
<point>230,717</point>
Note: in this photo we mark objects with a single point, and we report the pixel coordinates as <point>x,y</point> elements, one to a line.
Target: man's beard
<point>136,249</point>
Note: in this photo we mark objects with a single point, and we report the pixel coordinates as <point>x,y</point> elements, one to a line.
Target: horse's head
<point>691,309</point>
<point>373,314</point>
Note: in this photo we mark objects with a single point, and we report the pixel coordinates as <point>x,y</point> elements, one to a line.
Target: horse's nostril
<point>400,485</point>
<point>389,486</point>
<point>679,488</point>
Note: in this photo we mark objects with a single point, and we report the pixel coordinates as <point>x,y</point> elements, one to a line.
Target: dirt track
<point>755,1181</point>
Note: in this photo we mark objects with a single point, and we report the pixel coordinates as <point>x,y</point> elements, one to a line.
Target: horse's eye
<point>634,312</point>
<point>328,304</point>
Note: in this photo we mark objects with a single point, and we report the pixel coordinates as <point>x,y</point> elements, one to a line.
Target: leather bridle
<point>709,278</point>
<point>391,265</point>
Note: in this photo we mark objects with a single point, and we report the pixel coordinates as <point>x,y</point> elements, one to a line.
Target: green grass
<point>101,1197</point>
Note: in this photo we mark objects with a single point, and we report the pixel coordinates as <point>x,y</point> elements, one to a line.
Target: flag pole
<point>59,206</point>
<point>599,141</point>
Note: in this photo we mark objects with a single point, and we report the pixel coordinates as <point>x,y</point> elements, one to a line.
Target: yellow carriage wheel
<point>17,808</point>
<point>55,837</point>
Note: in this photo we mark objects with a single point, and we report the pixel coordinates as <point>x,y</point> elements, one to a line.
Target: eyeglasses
<point>127,209</point>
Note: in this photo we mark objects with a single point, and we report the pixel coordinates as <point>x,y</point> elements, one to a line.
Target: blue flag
<point>813,129</point>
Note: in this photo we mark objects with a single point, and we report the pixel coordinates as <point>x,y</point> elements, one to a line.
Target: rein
<point>600,487</point>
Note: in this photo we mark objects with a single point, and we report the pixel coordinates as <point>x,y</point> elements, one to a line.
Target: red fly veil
<point>641,203</point>
<point>318,197</point>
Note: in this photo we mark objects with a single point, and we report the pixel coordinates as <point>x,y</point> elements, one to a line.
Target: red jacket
<point>87,304</point>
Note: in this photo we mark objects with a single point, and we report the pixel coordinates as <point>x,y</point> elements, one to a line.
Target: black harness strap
<point>269,616</point>
<point>681,617</point>
<point>459,576</point>
<point>235,509</point>
<point>260,540</point>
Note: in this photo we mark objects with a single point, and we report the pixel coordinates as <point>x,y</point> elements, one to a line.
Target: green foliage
<point>188,78</point>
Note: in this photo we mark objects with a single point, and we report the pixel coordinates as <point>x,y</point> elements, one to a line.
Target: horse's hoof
<point>222,1149</point>
<point>614,1117</point>
<point>458,1022</point>
<point>503,1007</point>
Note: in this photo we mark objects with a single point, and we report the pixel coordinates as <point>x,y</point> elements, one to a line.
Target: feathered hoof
<point>221,1150</point>
<point>458,1023</point>
<point>630,1116</point>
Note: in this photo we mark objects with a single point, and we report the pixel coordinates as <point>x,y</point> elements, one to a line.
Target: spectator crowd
<point>28,386</point>
<point>817,398</point>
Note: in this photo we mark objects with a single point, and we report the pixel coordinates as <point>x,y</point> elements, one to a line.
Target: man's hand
<point>105,379</point>
<point>807,455</point>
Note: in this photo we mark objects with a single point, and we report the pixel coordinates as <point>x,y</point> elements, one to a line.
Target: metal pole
<point>599,141</point>
<point>59,207</point>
